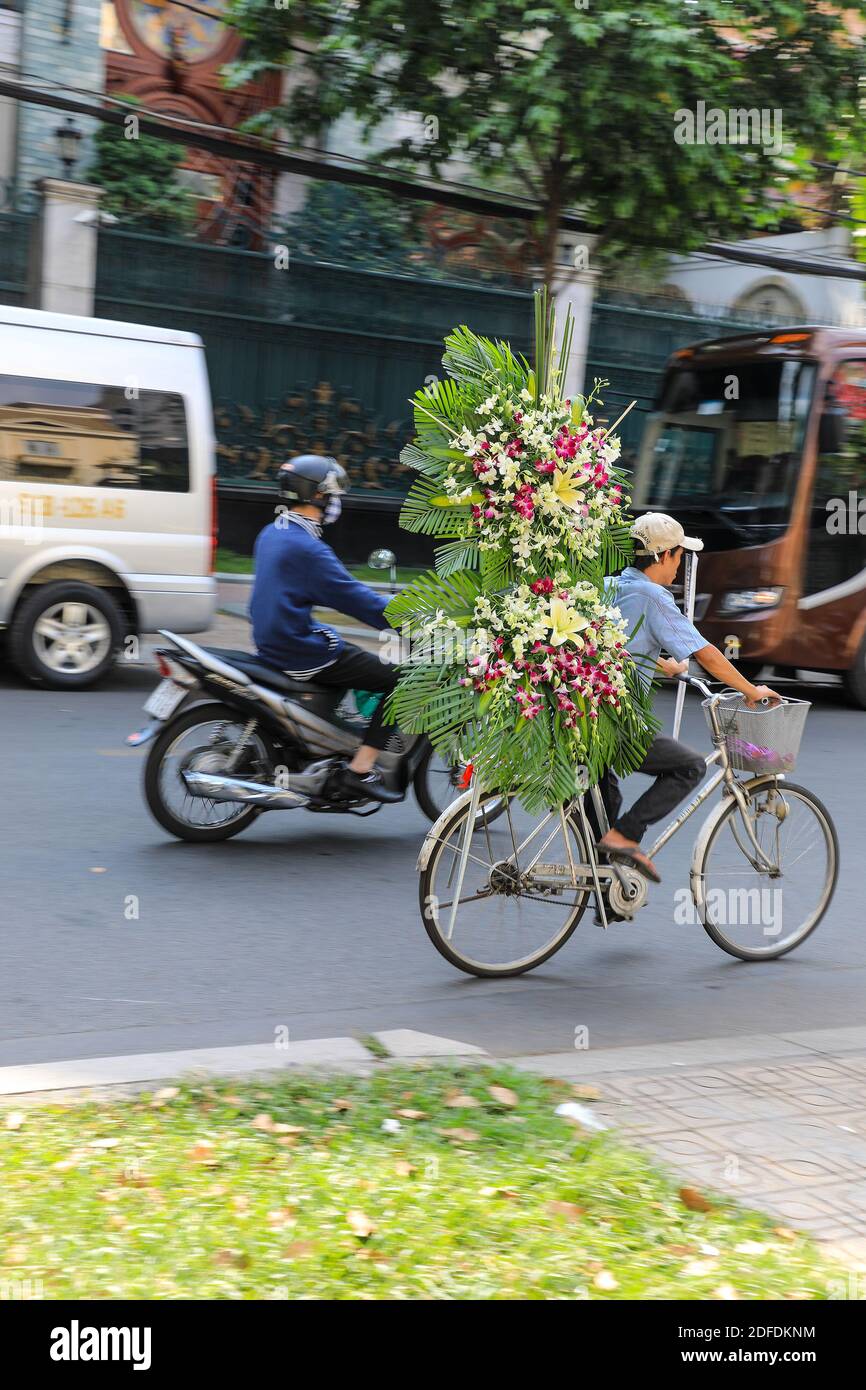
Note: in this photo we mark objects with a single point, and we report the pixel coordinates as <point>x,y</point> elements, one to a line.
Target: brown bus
<point>758,445</point>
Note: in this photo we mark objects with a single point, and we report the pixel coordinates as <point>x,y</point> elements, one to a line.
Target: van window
<point>88,435</point>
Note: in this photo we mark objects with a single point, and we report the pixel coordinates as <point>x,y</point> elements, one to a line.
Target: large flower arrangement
<point>517,659</point>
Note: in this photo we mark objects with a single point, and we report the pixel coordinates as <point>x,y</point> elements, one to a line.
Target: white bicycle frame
<point>602,873</point>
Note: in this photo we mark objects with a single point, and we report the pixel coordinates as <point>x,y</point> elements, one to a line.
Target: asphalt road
<point>312,923</point>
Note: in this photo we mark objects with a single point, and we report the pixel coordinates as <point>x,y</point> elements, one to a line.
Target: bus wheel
<point>855,679</point>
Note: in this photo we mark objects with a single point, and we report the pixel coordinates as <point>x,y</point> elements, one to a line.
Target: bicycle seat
<point>257,670</point>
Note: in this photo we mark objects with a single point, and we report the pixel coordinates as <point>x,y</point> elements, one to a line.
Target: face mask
<point>332,510</point>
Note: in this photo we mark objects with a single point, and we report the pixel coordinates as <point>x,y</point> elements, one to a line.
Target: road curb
<point>137,1070</point>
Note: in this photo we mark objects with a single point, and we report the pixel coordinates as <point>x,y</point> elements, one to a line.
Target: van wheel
<point>65,635</point>
<point>855,679</point>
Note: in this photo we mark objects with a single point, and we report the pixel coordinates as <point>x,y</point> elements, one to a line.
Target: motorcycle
<point>232,737</point>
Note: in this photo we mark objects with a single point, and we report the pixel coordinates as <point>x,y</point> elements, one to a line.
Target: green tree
<point>139,179</point>
<point>573,102</point>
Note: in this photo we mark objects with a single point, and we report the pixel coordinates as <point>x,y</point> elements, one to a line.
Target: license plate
<point>165,699</point>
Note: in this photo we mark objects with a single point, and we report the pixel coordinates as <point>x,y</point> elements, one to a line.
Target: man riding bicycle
<point>295,569</point>
<point>655,624</point>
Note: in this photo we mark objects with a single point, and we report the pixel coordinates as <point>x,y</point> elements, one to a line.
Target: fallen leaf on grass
<point>165,1093</point>
<point>457,1101</point>
<point>502,1095</point>
<point>342,1104</point>
<point>695,1200</point>
<point>15,1255</point>
<point>298,1250</point>
<point>404,1169</point>
<point>460,1136</point>
<point>499,1192</point>
<point>280,1219</point>
<point>235,1258</point>
<point>784,1233</point>
<point>412,1114</point>
<point>202,1151</point>
<point>359,1224</point>
<point>570,1210</point>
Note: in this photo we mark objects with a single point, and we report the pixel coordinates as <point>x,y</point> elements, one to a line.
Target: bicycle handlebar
<point>705,689</point>
<point>686,679</point>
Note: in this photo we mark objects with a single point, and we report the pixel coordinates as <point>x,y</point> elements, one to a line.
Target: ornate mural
<point>252,441</point>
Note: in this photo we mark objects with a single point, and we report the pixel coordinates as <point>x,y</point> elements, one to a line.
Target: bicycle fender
<point>696,878</point>
<point>434,834</point>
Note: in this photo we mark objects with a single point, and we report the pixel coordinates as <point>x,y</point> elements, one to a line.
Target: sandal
<point>634,861</point>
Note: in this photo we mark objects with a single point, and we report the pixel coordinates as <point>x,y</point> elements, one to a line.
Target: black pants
<point>677,769</point>
<point>356,669</point>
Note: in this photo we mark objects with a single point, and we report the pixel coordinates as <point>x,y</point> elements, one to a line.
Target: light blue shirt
<point>664,627</point>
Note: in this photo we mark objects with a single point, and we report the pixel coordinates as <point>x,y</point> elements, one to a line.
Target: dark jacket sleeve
<point>335,587</point>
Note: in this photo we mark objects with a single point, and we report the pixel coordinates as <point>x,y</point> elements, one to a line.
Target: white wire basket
<point>765,739</point>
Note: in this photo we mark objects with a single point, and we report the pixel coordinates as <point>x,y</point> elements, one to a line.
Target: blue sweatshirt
<point>294,570</point>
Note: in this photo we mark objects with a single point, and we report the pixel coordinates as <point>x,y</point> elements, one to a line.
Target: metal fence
<point>16,231</point>
<point>308,356</point>
<point>315,355</point>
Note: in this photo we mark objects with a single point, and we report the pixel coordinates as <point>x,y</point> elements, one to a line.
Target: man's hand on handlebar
<point>757,693</point>
<point>670,667</point>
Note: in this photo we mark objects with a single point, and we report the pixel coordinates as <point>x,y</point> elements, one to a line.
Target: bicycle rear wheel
<point>524,889</point>
<point>759,911</point>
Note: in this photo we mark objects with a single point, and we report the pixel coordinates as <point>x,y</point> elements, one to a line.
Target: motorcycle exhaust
<point>217,788</point>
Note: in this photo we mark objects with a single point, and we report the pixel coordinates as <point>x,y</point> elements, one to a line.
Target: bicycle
<point>489,870</point>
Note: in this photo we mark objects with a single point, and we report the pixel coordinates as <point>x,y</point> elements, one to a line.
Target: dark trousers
<point>356,669</point>
<point>677,770</point>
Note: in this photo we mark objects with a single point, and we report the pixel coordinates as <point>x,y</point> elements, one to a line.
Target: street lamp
<point>68,138</point>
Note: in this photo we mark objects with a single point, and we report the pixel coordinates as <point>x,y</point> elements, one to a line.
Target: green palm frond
<point>452,594</point>
<point>498,569</point>
<point>457,555</point>
<point>421,513</point>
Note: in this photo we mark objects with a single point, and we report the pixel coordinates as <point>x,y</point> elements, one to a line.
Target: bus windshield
<point>726,441</point>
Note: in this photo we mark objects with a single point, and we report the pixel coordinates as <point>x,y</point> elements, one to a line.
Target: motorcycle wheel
<point>437,783</point>
<point>194,818</point>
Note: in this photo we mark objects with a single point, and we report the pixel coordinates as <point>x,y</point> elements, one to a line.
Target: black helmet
<point>311,478</point>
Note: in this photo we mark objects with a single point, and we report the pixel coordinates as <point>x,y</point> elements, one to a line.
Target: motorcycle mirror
<point>382,560</point>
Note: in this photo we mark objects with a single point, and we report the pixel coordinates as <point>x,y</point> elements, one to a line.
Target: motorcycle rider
<point>295,569</point>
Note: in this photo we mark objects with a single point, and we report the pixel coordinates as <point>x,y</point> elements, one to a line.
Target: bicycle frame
<point>603,873</point>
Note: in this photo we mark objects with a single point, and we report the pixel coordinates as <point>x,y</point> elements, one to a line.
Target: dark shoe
<point>362,786</point>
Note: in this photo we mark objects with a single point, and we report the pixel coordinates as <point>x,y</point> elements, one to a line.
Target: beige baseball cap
<point>657,532</point>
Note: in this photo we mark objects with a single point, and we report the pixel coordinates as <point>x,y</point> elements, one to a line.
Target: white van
<point>107,490</point>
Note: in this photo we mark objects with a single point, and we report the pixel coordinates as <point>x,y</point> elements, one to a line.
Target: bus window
<point>837,541</point>
<point>725,447</point>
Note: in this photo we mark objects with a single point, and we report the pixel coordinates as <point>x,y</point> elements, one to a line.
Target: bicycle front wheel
<point>519,896</point>
<point>758,906</point>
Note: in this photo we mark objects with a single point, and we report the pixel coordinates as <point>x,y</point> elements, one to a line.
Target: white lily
<point>565,623</point>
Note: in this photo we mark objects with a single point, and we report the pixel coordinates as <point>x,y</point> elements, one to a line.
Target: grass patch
<point>294,1188</point>
<point>231,562</point>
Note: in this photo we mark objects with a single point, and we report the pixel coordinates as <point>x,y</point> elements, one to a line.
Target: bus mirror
<point>831,431</point>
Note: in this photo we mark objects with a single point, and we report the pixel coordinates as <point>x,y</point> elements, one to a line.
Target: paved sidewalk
<point>777,1122</point>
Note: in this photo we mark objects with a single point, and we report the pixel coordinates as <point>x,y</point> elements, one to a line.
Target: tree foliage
<point>573,102</point>
<point>139,179</point>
